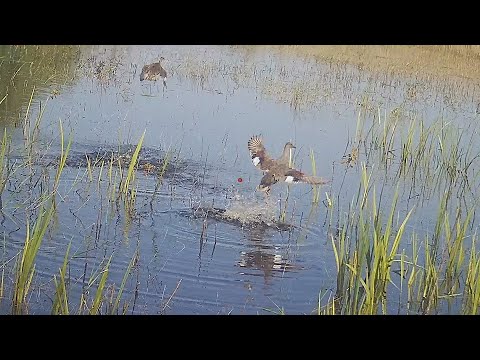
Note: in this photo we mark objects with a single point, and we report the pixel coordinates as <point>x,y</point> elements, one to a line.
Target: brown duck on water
<point>154,71</point>
<point>279,169</point>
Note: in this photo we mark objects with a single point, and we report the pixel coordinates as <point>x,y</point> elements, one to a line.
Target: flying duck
<point>276,170</point>
<point>154,71</point>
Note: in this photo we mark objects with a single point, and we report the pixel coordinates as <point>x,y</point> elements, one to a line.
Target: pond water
<point>216,98</point>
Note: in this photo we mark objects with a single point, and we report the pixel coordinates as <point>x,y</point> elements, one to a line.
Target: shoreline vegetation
<point>444,61</point>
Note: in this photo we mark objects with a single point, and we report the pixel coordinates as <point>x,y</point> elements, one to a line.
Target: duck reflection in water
<point>264,256</point>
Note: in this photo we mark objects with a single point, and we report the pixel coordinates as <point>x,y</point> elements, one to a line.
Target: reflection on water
<point>265,257</point>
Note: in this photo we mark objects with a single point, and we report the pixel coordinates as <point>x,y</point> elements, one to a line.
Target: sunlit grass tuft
<point>25,268</point>
<point>60,302</point>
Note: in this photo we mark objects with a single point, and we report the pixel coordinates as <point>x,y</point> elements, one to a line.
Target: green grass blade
<point>133,162</point>
<point>60,303</point>
<point>124,281</point>
<point>97,302</point>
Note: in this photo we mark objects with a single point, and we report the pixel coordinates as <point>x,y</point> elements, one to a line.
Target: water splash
<point>251,210</point>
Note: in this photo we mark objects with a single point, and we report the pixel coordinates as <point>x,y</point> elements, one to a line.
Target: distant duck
<point>154,71</point>
<point>279,169</point>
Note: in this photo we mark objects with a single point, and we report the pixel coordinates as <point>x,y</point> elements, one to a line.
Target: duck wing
<point>259,155</point>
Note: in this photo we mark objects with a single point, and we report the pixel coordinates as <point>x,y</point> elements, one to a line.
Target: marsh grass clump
<point>60,302</point>
<point>373,265</point>
<point>25,265</point>
<point>430,157</point>
<point>104,295</point>
<point>440,279</point>
<point>43,211</point>
<point>426,272</point>
<point>471,292</point>
<point>119,170</point>
<point>128,192</point>
<point>365,249</point>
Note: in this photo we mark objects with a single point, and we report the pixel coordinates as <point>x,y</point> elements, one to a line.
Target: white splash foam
<point>251,211</point>
<point>256,161</point>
